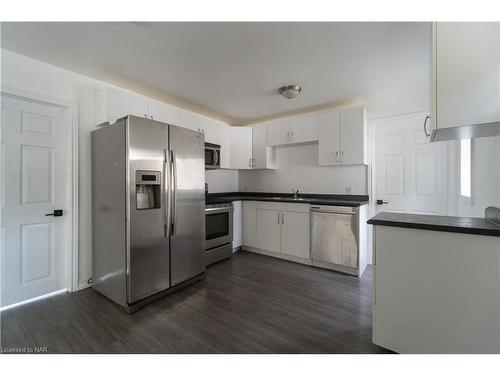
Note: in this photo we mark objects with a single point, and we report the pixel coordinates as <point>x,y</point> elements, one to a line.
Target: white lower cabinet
<point>295,234</point>
<point>280,229</point>
<point>249,223</point>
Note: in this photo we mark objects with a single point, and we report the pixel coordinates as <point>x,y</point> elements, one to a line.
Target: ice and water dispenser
<point>147,189</point>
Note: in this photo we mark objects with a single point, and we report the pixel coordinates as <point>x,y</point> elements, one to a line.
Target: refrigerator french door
<point>148,208</point>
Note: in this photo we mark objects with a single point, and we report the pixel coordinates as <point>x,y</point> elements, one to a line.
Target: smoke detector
<point>290,91</point>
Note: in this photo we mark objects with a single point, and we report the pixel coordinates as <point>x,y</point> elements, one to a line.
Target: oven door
<point>219,226</point>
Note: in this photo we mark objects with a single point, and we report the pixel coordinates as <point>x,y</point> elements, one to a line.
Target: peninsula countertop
<point>456,224</point>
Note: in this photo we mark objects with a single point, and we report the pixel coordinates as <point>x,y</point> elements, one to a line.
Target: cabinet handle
<point>341,156</point>
<point>278,217</point>
<point>336,156</point>
<point>151,117</point>
<point>282,218</point>
<point>146,115</point>
<point>250,163</point>
<point>425,126</point>
<point>291,138</point>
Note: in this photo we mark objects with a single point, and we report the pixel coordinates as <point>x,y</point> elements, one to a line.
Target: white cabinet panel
<point>304,128</point>
<point>353,136</point>
<point>329,138</point>
<point>224,140</point>
<point>237,224</point>
<point>263,155</point>
<point>209,128</point>
<point>467,73</point>
<point>278,132</point>
<point>249,223</point>
<point>190,120</point>
<point>295,234</point>
<point>268,230</point>
<point>163,112</point>
<point>119,103</point>
<point>241,147</point>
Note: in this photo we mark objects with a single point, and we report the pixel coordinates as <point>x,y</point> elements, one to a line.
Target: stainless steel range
<point>219,232</point>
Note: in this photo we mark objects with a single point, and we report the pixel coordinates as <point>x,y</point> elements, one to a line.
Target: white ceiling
<point>233,70</point>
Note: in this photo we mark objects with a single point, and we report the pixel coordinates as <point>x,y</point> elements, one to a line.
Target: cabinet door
<point>329,138</point>
<point>190,120</point>
<point>295,235</point>
<point>119,103</point>
<point>278,132</point>
<point>304,128</point>
<point>224,139</point>
<point>241,147</point>
<point>249,223</point>
<point>163,112</point>
<point>209,128</point>
<point>263,155</point>
<point>269,230</point>
<point>467,63</point>
<point>353,136</point>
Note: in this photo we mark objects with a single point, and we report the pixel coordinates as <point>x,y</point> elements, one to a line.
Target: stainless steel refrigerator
<point>148,210</point>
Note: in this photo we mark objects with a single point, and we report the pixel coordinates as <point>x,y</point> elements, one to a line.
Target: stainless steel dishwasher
<point>335,238</point>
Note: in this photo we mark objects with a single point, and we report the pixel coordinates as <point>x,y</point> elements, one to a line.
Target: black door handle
<point>55,213</point>
<point>381,202</point>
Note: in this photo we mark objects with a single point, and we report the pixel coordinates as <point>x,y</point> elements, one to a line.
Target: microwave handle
<point>216,157</point>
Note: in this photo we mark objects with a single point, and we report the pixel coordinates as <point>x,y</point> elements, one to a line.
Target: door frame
<point>71,173</point>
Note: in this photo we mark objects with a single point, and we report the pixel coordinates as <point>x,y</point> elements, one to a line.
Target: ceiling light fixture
<point>290,91</point>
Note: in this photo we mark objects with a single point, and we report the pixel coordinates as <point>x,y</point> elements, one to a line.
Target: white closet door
<point>33,185</point>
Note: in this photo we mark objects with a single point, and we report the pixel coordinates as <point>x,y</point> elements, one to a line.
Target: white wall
<point>23,73</point>
<point>297,167</point>
<point>221,180</point>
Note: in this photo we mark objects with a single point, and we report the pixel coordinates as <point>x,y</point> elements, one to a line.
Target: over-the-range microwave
<point>212,156</point>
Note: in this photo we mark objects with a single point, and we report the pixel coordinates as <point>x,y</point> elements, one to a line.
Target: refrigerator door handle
<point>173,192</point>
<point>167,193</point>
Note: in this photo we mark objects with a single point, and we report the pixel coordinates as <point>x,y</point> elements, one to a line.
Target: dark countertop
<point>320,199</point>
<point>470,225</point>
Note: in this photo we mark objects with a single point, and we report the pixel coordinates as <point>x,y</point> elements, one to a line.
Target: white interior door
<point>33,185</point>
<point>410,172</point>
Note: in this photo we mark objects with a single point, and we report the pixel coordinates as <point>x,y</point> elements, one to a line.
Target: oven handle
<point>214,210</point>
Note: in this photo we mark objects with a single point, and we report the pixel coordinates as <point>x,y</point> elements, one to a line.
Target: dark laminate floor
<point>249,304</point>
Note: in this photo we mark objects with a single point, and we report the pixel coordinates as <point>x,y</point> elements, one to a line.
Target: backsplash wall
<point>221,180</point>
<point>297,167</point>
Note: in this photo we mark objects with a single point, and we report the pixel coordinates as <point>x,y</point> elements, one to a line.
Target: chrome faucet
<point>295,192</point>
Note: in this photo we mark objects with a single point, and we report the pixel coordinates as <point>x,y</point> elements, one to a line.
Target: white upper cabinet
<point>300,129</point>
<point>329,138</point>
<point>304,128</point>
<point>112,104</point>
<point>190,120</point>
<point>278,132</point>
<point>241,147</point>
<point>353,138</point>
<point>209,128</point>
<point>342,137</point>
<point>163,112</point>
<point>263,156</point>
<point>224,140</point>
<point>465,83</point>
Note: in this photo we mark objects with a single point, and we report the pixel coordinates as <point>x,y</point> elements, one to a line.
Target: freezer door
<point>148,254</point>
<point>187,239</point>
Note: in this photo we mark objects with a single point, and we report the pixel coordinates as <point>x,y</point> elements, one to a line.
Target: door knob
<point>381,202</point>
<point>55,213</point>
